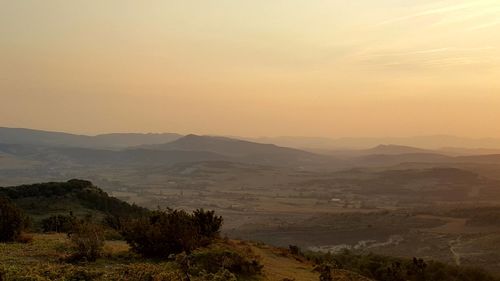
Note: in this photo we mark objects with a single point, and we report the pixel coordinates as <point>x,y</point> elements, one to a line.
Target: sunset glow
<point>252,68</point>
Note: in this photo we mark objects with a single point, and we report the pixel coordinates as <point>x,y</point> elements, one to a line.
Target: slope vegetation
<point>78,196</point>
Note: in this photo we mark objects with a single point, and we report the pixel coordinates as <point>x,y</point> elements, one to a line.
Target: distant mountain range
<point>146,149</point>
<point>241,150</point>
<point>425,142</point>
<point>115,140</point>
<point>442,143</point>
<point>383,149</point>
<point>55,149</point>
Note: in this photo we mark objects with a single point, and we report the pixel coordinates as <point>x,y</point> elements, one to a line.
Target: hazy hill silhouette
<point>226,146</point>
<point>243,151</point>
<point>130,150</point>
<point>97,157</point>
<point>114,140</point>
<point>394,159</point>
<point>391,149</point>
<point>351,143</point>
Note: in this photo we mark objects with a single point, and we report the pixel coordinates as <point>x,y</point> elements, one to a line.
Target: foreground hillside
<point>119,241</point>
<point>43,258</point>
<point>79,232</point>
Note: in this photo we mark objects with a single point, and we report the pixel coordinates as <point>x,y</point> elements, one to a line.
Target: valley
<point>389,200</point>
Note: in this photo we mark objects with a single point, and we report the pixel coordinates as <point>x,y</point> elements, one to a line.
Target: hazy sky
<point>252,67</point>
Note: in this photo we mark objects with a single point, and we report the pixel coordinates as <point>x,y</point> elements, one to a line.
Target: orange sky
<point>252,68</point>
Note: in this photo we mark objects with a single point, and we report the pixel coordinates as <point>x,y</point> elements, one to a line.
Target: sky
<point>252,68</point>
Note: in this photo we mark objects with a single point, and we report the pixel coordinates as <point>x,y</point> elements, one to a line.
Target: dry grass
<point>44,259</point>
<point>280,265</point>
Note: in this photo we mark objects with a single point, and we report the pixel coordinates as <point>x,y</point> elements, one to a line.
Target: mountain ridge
<point>111,140</point>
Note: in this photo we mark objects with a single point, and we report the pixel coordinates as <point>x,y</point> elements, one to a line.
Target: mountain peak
<point>396,149</point>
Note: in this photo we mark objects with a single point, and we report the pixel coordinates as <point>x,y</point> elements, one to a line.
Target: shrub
<point>208,223</point>
<point>385,268</point>
<point>88,241</point>
<point>212,260</point>
<point>325,271</point>
<point>113,221</point>
<point>112,234</point>
<point>162,233</point>
<point>58,223</point>
<point>294,250</point>
<point>11,221</point>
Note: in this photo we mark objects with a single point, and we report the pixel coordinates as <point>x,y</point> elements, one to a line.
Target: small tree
<point>88,241</point>
<point>11,221</point>
<point>208,223</point>
<point>58,223</point>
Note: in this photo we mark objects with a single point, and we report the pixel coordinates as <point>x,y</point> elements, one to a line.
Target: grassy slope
<point>43,259</point>
<point>279,264</point>
<point>81,197</point>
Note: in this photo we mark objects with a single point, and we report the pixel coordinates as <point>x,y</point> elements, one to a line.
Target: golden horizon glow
<point>252,68</point>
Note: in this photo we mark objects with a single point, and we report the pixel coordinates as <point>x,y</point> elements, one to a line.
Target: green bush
<point>58,223</point>
<point>208,223</point>
<point>11,221</point>
<point>162,233</point>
